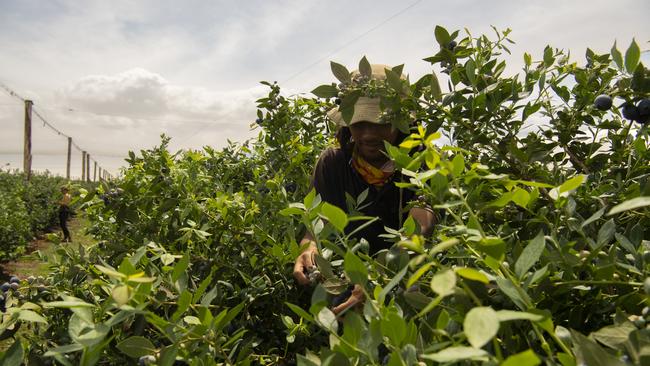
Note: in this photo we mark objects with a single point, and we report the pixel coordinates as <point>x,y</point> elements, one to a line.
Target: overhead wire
<point>50,125</point>
<point>363,34</point>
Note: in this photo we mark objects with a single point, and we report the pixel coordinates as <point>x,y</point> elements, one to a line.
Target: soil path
<point>34,261</point>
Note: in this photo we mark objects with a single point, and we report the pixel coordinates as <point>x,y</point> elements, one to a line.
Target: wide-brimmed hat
<point>366,109</point>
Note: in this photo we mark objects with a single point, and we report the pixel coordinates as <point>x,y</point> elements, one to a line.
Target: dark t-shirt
<point>334,176</point>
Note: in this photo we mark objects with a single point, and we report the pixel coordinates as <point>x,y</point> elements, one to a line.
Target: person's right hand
<point>304,261</point>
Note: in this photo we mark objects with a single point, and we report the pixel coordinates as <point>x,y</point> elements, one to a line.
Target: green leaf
<point>347,105</point>
<point>14,355</point>
<point>327,319</point>
<point>300,312</point>
<point>614,336</point>
<point>458,164</point>
<point>606,233</point>
<point>436,92</point>
<point>355,269</point>
<point>528,59</point>
<point>526,358</point>
<point>168,356</point>
<point>180,267</point>
<point>182,304</point>
<point>617,57</point>
<point>472,274</point>
<point>454,354</point>
<point>325,91</point>
<point>110,272</point>
<point>548,56</point>
<point>364,67</point>
<point>632,56</point>
<point>444,282</point>
<point>442,36</point>
<point>68,304</point>
<point>394,80</point>
<point>291,211</point>
<point>590,353</point>
<point>121,294</point>
<point>529,109</point>
<point>530,255</point>
<point>503,200</point>
<point>480,325</point>
<point>68,348</point>
<point>393,282</point>
<point>510,290</point>
<point>340,72</point>
<point>593,218</point>
<point>393,326</point>
<point>520,197</point>
<point>572,183</point>
<point>337,217</point>
<point>136,346</point>
<point>470,71</point>
<point>419,273</point>
<point>508,315</point>
<point>31,316</point>
<point>630,205</point>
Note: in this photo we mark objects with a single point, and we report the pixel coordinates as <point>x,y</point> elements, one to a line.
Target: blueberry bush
<point>26,209</point>
<point>540,254</point>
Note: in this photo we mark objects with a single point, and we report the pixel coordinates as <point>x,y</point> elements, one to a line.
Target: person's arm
<point>425,217</point>
<point>304,260</point>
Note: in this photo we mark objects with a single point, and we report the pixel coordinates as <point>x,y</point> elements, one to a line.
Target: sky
<point>115,75</point>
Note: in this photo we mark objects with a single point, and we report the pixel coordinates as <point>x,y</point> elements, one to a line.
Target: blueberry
<point>644,107</point>
<point>31,279</point>
<point>451,45</point>
<point>258,121</point>
<point>14,279</point>
<point>15,285</point>
<point>290,187</point>
<point>603,102</point>
<point>337,101</point>
<point>630,111</point>
<point>5,287</point>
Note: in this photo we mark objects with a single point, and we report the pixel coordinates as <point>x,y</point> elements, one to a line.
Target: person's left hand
<point>356,298</point>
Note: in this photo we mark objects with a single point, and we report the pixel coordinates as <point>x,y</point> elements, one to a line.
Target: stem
<point>575,160</point>
<point>587,282</point>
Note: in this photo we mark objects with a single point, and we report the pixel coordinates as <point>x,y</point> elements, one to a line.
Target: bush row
<point>540,256</point>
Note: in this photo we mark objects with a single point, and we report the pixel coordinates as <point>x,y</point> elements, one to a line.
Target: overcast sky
<point>114,75</point>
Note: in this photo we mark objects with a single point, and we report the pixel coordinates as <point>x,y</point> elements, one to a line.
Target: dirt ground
<point>34,261</point>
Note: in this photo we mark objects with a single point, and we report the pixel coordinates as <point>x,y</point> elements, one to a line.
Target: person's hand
<point>357,297</point>
<point>303,262</point>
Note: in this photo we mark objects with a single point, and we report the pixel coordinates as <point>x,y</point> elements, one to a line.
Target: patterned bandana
<point>371,174</point>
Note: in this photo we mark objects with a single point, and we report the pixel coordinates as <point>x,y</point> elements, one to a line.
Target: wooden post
<point>27,153</point>
<point>87,167</point>
<point>95,173</point>
<point>67,168</point>
<point>83,166</point>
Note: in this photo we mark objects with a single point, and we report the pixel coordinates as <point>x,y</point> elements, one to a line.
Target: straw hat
<point>366,109</point>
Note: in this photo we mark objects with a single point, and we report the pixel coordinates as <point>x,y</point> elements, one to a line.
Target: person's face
<point>369,139</point>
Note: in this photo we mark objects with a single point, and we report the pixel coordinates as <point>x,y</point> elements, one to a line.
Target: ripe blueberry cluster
<point>639,112</point>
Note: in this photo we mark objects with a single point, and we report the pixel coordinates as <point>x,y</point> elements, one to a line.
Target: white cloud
<point>116,74</point>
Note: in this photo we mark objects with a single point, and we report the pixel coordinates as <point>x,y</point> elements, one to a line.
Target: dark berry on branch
<point>630,111</point>
<point>603,102</point>
<point>644,107</point>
